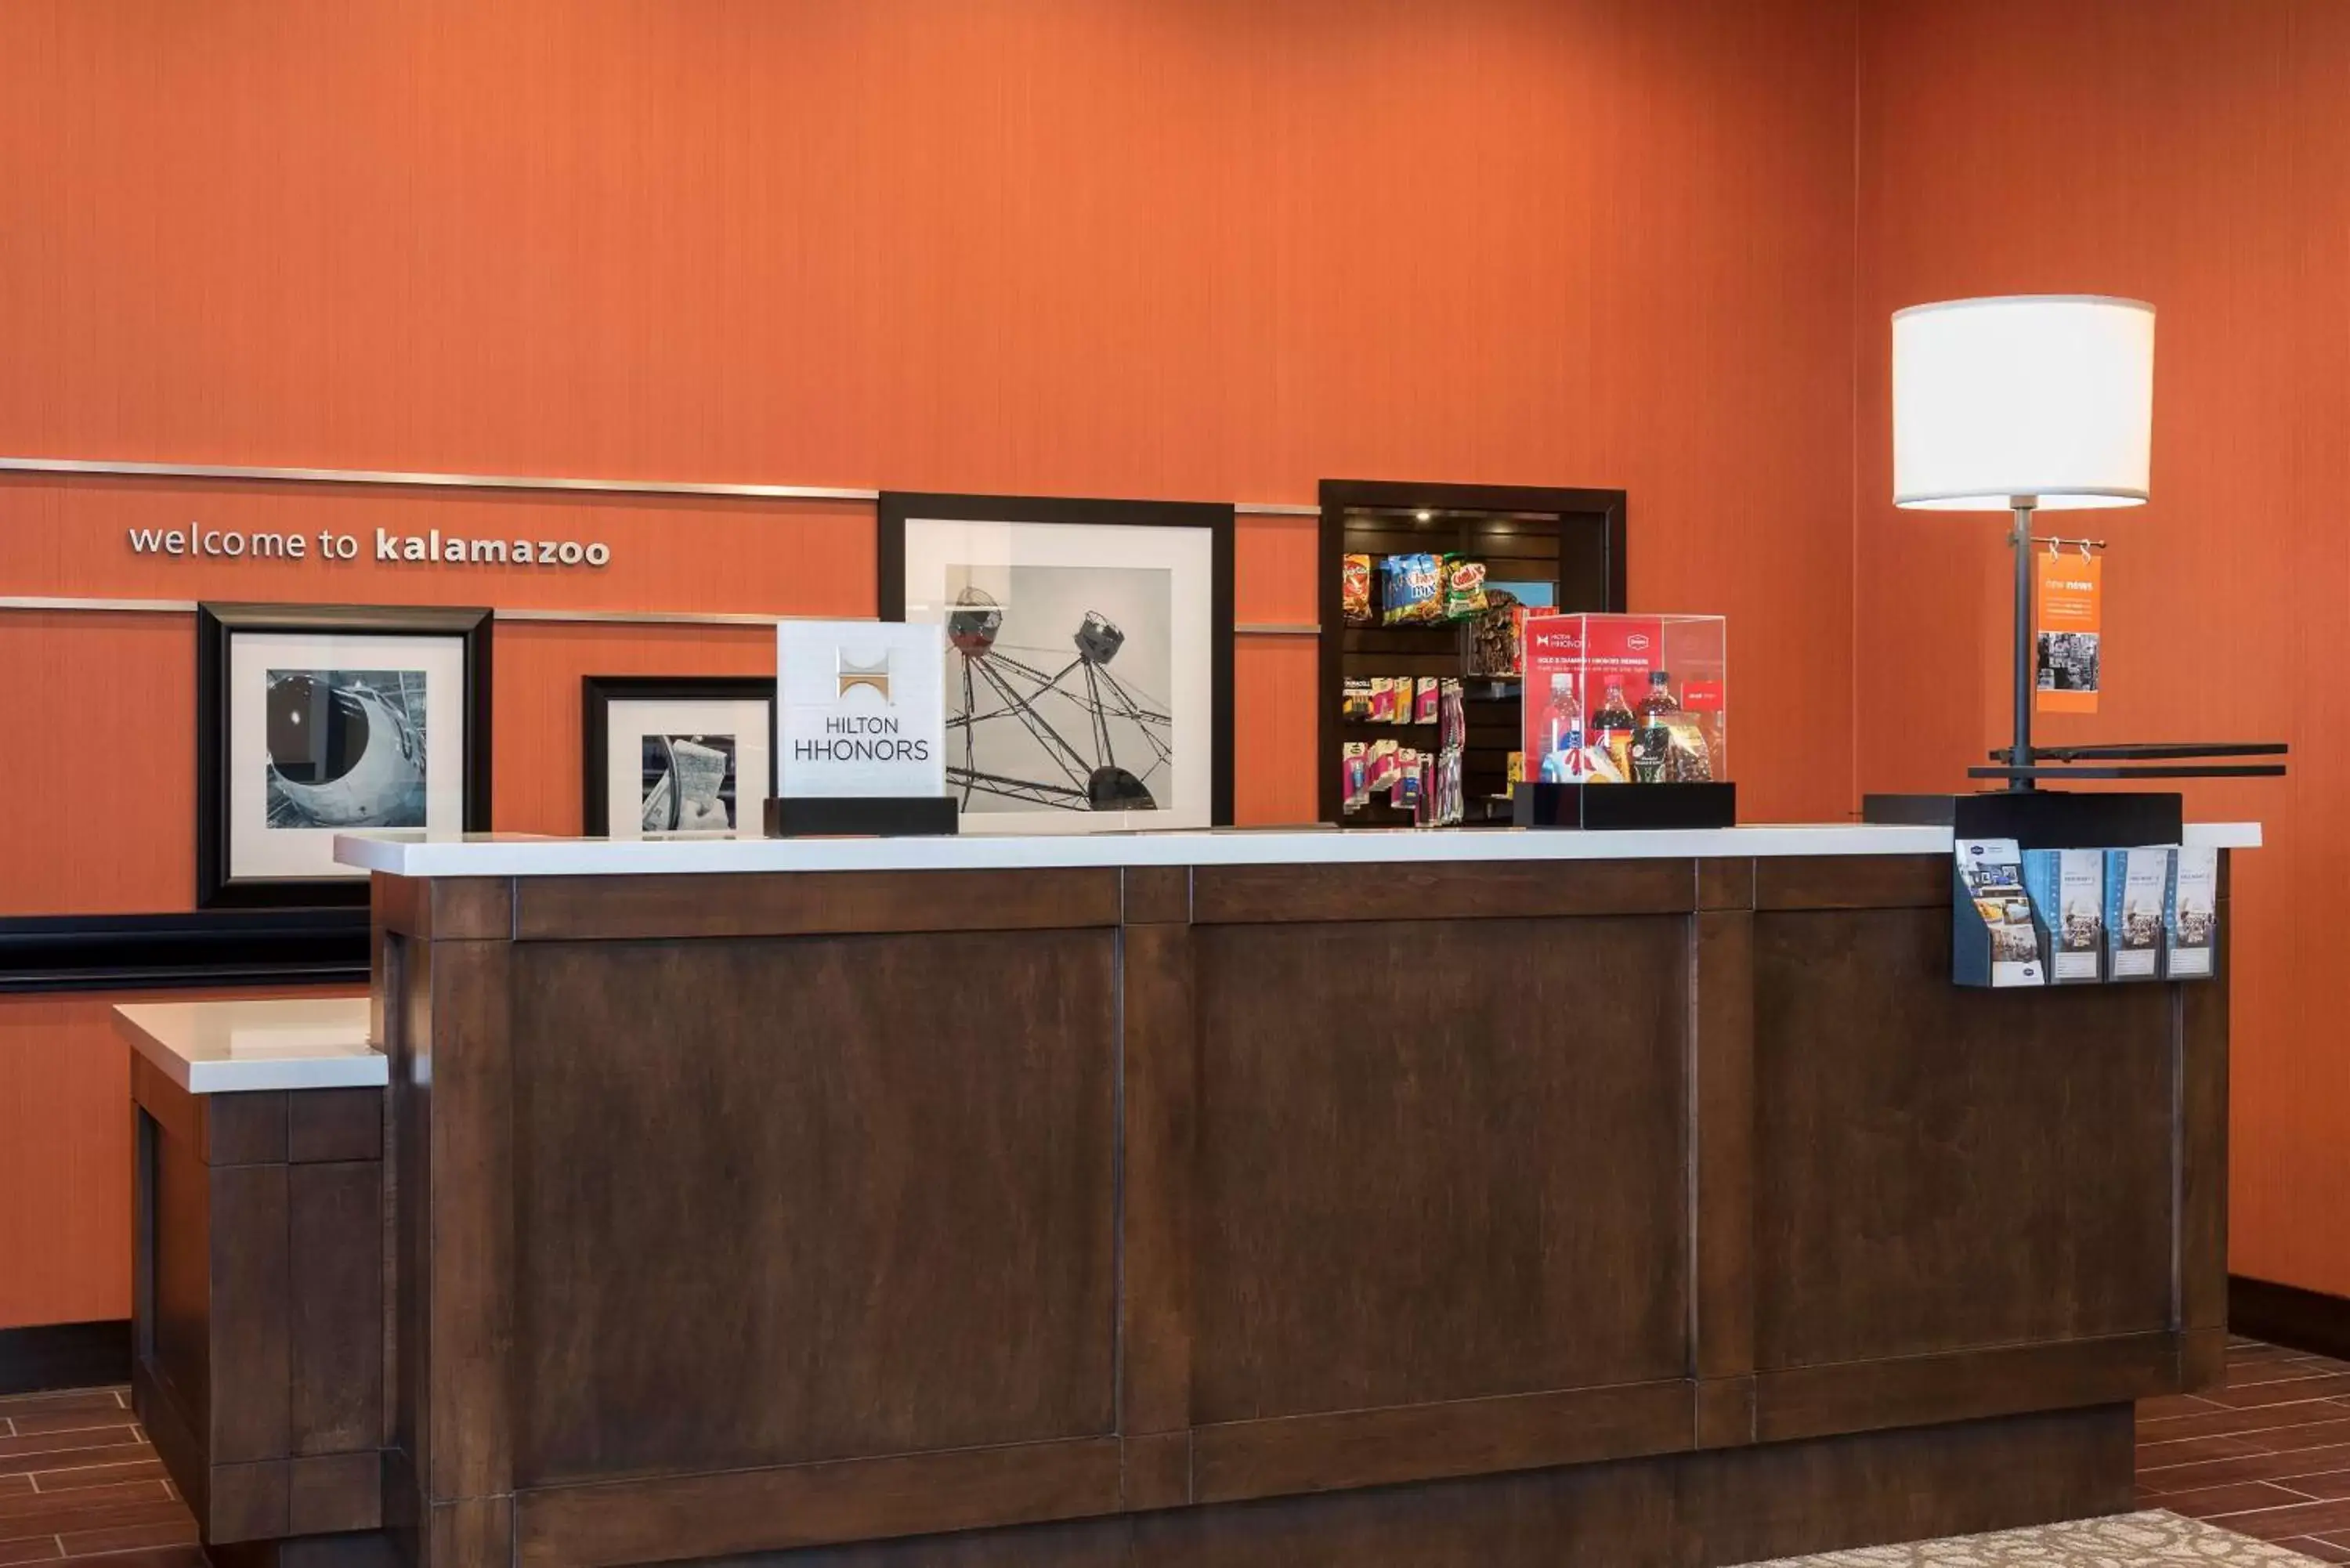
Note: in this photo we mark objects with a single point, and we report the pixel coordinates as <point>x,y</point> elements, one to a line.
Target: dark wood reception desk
<point>1497,1200</point>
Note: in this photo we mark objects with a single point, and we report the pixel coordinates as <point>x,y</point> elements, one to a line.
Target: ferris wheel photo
<point>1054,683</point>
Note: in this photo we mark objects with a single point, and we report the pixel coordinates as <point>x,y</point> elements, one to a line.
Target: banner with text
<point>2070,613</point>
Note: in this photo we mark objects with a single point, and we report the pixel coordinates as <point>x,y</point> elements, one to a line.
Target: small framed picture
<point>314,720</point>
<point>675,756</point>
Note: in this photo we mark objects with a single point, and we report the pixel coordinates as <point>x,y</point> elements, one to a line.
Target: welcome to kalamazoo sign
<point>198,543</point>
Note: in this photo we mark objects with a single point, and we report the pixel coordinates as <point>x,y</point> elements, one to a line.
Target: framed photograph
<point>1088,655</point>
<point>675,756</point>
<point>316,719</point>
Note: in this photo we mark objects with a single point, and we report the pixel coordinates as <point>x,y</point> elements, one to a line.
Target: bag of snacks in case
<point>1497,636</point>
<point>1355,588</point>
<point>1425,707</point>
<point>1355,778</point>
<point>1464,587</point>
<point>1415,589</point>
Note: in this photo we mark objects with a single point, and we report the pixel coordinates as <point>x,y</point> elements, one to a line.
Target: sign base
<point>1601,807</point>
<point>861,817</point>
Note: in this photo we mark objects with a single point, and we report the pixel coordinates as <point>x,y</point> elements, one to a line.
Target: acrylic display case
<point>1636,703</point>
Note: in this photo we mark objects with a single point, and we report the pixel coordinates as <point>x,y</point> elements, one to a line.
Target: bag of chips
<point>1355,588</point>
<point>1415,589</point>
<point>1464,587</point>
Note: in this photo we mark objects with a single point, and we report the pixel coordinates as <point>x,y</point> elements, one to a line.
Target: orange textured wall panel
<point>2201,162</point>
<point>1203,251</point>
<point>64,1157</point>
<point>98,802</point>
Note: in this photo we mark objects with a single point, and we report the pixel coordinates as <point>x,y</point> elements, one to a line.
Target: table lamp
<point>2021,403</point>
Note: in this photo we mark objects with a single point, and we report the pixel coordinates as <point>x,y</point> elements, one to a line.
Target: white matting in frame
<point>693,731</point>
<point>1039,723</point>
<point>372,729</point>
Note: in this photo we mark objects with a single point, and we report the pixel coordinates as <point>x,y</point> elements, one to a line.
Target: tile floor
<point>2267,1456</point>
<point>77,1481</point>
<point>2264,1459</point>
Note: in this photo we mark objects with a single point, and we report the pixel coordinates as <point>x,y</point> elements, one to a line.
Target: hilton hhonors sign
<point>861,709</point>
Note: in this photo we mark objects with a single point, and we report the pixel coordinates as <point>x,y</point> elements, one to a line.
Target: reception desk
<point>1257,1198</point>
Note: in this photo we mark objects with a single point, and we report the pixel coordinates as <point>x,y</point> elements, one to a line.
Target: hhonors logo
<point>1637,642</point>
<point>874,673</point>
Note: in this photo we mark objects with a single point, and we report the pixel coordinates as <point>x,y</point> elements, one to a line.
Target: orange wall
<point>1212,249</point>
<point>1193,249</point>
<point>64,1164</point>
<point>2194,154</point>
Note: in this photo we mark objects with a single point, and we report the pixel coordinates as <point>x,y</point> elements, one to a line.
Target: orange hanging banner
<point>2070,611</point>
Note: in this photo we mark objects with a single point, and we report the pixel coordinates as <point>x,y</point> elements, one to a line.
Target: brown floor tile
<point>2243,1497</point>
<point>33,1507</point>
<point>2171,1405</point>
<point>2315,1546</point>
<point>69,1421</point>
<point>2192,1450</point>
<point>2326,1484</point>
<point>2226,1422</point>
<point>148,1557</point>
<point>2252,1373</point>
<point>157,1510</point>
<point>39,1549</point>
<point>2328,1387</point>
<point>13,1484</point>
<point>2283,1467</point>
<point>62,1450</point>
<point>15,1404</point>
<point>71,1477</point>
<point>2276,1523</point>
<point>181,1531</point>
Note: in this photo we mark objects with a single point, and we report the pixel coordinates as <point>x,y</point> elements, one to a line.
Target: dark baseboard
<point>210,948</point>
<point>65,1355</point>
<point>2289,1316</point>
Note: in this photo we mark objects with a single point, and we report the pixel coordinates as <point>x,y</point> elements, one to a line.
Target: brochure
<point>2068,900</point>
<point>2137,881</point>
<point>2191,916</point>
<point>1991,872</point>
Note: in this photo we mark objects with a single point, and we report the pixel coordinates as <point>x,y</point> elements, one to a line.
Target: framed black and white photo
<point>1088,654</point>
<point>677,756</point>
<point>312,721</point>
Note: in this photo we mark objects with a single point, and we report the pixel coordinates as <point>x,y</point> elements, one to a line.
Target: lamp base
<point>2039,819</point>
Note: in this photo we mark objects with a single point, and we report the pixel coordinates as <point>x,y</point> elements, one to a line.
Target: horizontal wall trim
<point>37,602</point>
<point>41,1357</point>
<point>31,602</point>
<point>2290,1315</point>
<point>88,467</point>
<point>205,948</point>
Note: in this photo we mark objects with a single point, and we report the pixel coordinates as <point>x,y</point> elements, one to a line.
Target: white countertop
<point>224,1048</point>
<point>520,855</point>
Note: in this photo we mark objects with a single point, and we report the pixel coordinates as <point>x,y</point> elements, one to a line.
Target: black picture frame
<point>217,627</point>
<point>598,692</point>
<point>895,507</point>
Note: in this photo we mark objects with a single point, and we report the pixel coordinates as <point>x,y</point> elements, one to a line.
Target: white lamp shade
<point>2047,396</point>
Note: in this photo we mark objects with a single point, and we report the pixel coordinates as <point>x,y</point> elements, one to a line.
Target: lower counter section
<point>1665,1211</point>
<point>1681,1510</point>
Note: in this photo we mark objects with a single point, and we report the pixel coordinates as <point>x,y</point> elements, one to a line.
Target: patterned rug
<point>2123,1540</point>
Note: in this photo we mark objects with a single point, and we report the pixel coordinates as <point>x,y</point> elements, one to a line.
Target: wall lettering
<point>198,542</point>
